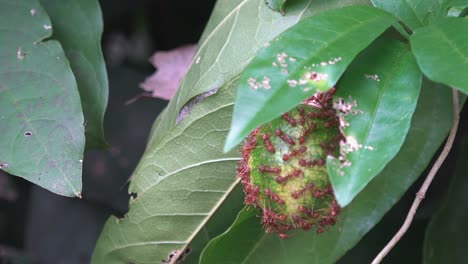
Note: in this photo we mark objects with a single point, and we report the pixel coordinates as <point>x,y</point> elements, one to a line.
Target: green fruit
<point>283,168</point>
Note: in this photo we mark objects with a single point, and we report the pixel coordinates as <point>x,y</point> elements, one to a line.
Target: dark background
<point>37,226</point>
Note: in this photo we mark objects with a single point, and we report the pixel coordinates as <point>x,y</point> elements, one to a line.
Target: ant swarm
<point>283,170</point>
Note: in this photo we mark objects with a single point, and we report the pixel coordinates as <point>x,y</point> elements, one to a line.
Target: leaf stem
<point>427,182</point>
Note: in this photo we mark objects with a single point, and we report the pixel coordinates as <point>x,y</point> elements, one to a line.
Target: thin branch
<point>138,97</point>
<point>427,182</point>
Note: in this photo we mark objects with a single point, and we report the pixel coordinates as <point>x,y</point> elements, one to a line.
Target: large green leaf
<point>414,13</point>
<point>445,240</point>
<point>78,26</point>
<point>179,184</point>
<point>441,51</point>
<point>237,29</point>
<point>41,121</point>
<point>429,127</point>
<point>382,86</point>
<point>280,75</point>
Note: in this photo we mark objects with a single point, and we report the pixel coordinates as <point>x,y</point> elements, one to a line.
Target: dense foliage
<point>391,65</point>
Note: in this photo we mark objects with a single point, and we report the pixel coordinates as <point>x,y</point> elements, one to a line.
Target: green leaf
<point>247,232</point>
<point>41,121</point>
<point>382,86</point>
<point>414,13</point>
<point>237,29</point>
<point>276,5</point>
<point>78,26</point>
<point>179,184</point>
<point>278,78</point>
<point>429,127</point>
<point>216,225</point>
<point>441,51</point>
<point>255,25</point>
<point>445,240</point>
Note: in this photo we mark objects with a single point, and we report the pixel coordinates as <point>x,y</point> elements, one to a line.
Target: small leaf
<point>414,13</point>
<point>382,87</point>
<point>309,57</point>
<point>429,128</point>
<point>78,26</point>
<point>171,67</point>
<point>445,240</point>
<point>41,121</point>
<point>277,5</point>
<point>441,51</point>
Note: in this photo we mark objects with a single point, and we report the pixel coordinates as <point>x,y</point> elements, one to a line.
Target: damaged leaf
<point>171,67</point>
<point>375,100</point>
<point>41,120</point>
<point>308,58</point>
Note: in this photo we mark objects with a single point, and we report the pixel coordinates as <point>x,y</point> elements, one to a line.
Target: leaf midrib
<point>202,223</point>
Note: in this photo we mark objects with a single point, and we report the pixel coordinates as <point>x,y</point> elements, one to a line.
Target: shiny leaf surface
<point>376,99</point>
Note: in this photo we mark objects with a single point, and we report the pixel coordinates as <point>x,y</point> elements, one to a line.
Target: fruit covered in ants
<point>283,170</point>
